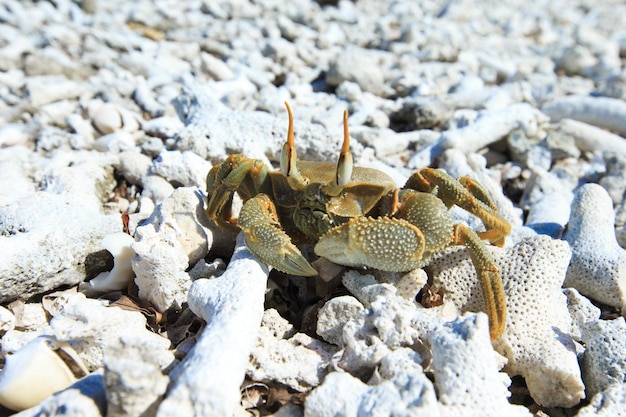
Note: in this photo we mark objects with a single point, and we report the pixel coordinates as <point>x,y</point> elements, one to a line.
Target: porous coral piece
<point>333,315</point>
<point>90,327</point>
<point>399,389</point>
<point>490,126</point>
<point>536,340</point>
<point>41,249</point>
<point>207,382</point>
<point>176,235</point>
<point>389,323</point>
<point>605,112</point>
<point>466,370</point>
<point>604,362</point>
<point>608,403</point>
<point>133,377</point>
<point>581,310</point>
<point>598,266</point>
<point>296,360</point>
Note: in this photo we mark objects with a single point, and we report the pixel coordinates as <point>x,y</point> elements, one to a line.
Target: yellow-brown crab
<point>355,216</point>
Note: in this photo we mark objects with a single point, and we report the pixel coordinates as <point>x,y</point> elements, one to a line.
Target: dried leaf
<point>253,395</point>
<point>432,297</point>
<point>125,302</point>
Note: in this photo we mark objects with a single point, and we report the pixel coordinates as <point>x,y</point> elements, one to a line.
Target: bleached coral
<point>598,266</point>
<point>388,324</point>
<point>608,403</point>
<point>466,371</point>
<point>175,236</point>
<point>536,340</point>
<point>399,389</point>
<point>581,310</point>
<point>232,306</point>
<point>604,362</point>
<point>281,355</point>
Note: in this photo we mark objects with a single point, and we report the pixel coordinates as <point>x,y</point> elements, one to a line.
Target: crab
<point>355,216</point>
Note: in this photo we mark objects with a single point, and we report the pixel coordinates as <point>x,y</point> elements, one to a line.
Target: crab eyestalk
<point>344,163</point>
<point>288,158</point>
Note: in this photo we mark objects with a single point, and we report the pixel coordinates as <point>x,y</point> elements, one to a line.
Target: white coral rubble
<point>598,266</point>
<point>537,340</point>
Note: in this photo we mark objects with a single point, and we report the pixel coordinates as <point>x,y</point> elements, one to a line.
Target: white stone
<point>156,188</point>
<point>107,118</point>
<point>134,166</point>
<point>357,65</point>
<point>164,127</point>
<point>215,67</point>
<point>118,141</point>
<point>49,88</point>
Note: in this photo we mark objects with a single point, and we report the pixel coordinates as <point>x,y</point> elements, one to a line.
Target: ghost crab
<point>355,216</point>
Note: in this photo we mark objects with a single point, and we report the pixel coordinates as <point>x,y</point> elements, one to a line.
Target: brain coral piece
<point>536,340</point>
<point>598,266</point>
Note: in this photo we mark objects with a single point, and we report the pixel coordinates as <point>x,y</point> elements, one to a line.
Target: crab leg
<point>485,265</point>
<point>266,239</point>
<point>237,173</point>
<point>474,199</point>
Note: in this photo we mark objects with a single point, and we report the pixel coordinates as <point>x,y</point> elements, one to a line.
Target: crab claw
<point>267,241</point>
<point>384,243</point>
